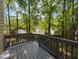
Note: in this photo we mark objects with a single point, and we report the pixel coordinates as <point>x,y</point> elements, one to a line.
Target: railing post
<point>58,56</point>
<point>17,40</point>
<point>39,40</point>
<point>66,57</point>
<point>8,7</point>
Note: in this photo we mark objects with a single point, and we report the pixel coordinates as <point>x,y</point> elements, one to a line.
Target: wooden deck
<point>29,50</point>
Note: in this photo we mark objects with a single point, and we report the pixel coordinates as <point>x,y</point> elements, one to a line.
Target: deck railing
<point>59,47</point>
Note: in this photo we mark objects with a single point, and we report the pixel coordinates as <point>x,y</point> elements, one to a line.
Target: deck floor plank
<point>28,50</point>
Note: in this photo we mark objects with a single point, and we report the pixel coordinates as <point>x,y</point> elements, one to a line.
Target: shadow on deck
<point>27,50</point>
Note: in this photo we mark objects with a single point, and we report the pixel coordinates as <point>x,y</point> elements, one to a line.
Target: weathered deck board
<point>29,50</point>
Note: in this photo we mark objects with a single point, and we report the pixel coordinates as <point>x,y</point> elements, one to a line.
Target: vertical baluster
<point>62,53</point>
<point>66,57</point>
<point>54,45</point>
<point>71,52</point>
<point>51,43</point>
<point>57,50</point>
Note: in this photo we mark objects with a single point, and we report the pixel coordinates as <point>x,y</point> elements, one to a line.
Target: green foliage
<point>41,12</point>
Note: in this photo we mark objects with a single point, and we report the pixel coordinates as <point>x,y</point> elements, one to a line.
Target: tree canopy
<point>60,15</point>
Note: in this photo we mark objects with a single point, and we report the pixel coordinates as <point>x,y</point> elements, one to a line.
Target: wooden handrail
<point>67,41</point>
